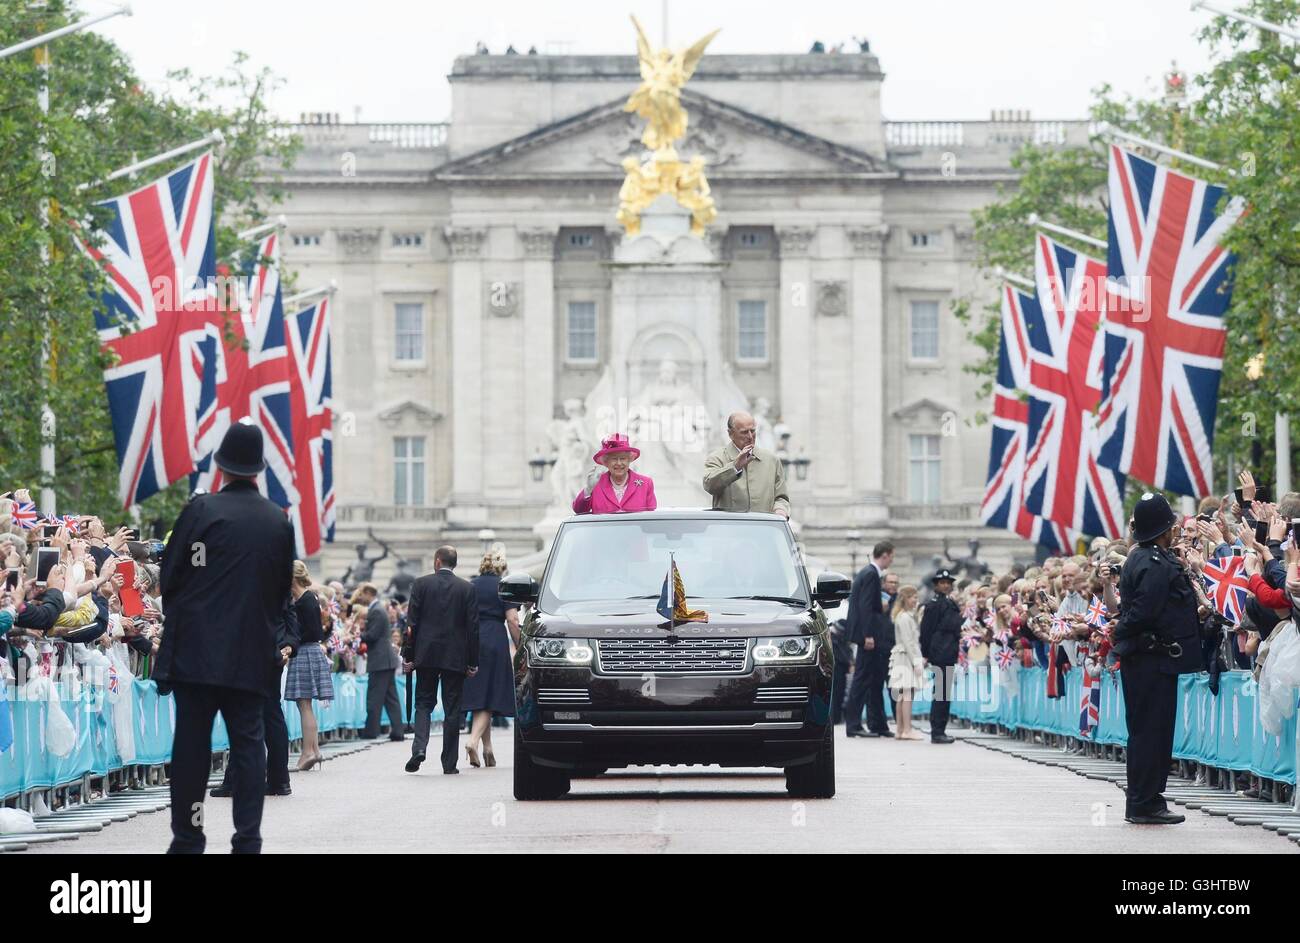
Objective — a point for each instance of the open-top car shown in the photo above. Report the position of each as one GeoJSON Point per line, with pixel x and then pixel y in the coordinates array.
{"type": "Point", "coordinates": [604, 679]}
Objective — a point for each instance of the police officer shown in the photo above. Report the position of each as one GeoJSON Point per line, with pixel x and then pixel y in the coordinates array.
{"type": "Point", "coordinates": [1157, 639]}
{"type": "Point", "coordinates": [225, 576]}
{"type": "Point", "coordinates": [940, 640]}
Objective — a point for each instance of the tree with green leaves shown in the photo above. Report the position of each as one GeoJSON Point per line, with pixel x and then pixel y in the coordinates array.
{"type": "Point", "coordinates": [101, 118]}
{"type": "Point", "coordinates": [1244, 113]}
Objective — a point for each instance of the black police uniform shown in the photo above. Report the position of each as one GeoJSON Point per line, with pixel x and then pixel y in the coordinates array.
{"type": "Point", "coordinates": [1157, 610]}
{"type": "Point", "coordinates": [940, 641]}
{"type": "Point", "coordinates": [225, 576]}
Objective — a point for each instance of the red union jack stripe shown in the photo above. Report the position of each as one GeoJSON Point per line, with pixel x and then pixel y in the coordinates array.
{"type": "Point", "coordinates": [311, 402]}
{"type": "Point", "coordinates": [1063, 481]}
{"type": "Point", "coordinates": [1227, 586]}
{"type": "Point", "coordinates": [1003, 505]}
{"type": "Point", "coordinates": [159, 253]}
{"type": "Point", "coordinates": [1096, 612]}
{"type": "Point", "coordinates": [251, 377]}
{"type": "Point", "coordinates": [1167, 293]}
{"type": "Point", "coordinates": [24, 515]}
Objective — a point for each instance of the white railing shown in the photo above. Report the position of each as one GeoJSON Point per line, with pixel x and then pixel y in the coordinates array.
{"type": "Point", "coordinates": [400, 136]}
{"type": "Point", "coordinates": [985, 133]}
{"type": "Point", "coordinates": [390, 513]}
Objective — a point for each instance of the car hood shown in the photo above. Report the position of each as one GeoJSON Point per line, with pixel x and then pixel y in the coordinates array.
{"type": "Point", "coordinates": [744, 618]}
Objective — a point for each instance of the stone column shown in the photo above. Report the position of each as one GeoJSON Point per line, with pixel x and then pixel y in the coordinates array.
{"type": "Point", "coordinates": [538, 407]}
{"type": "Point", "coordinates": [867, 299]}
{"type": "Point", "coordinates": [466, 311]}
{"type": "Point", "coordinates": [795, 333]}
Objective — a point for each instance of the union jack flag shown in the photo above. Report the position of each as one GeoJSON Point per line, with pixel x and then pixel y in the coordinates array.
{"type": "Point", "coordinates": [251, 377]}
{"type": "Point", "coordinates": [112, 680]}
{"type": "Point", "coordinates": [1096, 613]}
{"type": "Point", "coordinates": [1003, 505]}
{"type": "Point", "coordinates": [1227, 586]}
{"type": "Point", "coordinates": [24, 515]}
{"type": "Point", "coordinates": [1090, 708]}
{"type": "Point", "coordinates": [1005, 657]}
{"type": "Point", "coordinates": [310, 403]}
{"type": "Point", "coordinates": [1063, 482]}
{"type": "Point", "coordinates": [1167, 293]}
{"type": "Point", "coordinates": [159, 253]}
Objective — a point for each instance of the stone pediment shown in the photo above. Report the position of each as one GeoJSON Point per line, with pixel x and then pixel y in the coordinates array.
{"type": "Point", "coordinates": [392, 416]}
{"type": "Point", "coordinates": [736, 144]}
{"type": "Point", "coordinates": [924, 409]}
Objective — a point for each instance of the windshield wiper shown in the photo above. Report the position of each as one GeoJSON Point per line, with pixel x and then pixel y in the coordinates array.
{"type": "Point", "coordinates": [789, 600]}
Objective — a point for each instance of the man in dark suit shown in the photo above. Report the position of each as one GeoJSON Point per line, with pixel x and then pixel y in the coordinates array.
{"type": "Point", "coordinates": [381, 666]}
{"type": "Point", "coordinates": [273, 725]}
{"type": "Point", "coordinates": [225, 576]}
{"type": "Point", "coordinates": [442, 646]}
{"type": "Point", "coordinates": [872, 631]}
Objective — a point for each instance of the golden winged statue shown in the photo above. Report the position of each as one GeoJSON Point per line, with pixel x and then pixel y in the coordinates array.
{"type": "Point", "coordinates": [658, 99]}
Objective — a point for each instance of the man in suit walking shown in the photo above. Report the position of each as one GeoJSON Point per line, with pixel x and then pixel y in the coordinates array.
{"type": "Point", "coordinates": [381, 666]}
{"type": "Point", "coordinates": [442, 646]}
{"type": "Point", "coordinates": [225, 577]}
{"type": "Point", "coordinates": [872, 631]}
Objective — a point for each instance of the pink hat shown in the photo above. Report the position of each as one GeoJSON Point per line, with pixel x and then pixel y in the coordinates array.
{"type": "Point", "coordinates": [615, 443]}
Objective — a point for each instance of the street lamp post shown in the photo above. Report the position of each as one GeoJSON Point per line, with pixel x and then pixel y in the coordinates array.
{"type": "Point", "coordinates": [538, 465]}
{"type": "Point", "coordinates": [854, 537]}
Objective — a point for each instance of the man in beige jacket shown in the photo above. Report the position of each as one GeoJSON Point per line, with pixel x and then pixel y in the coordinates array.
{"type": "Point", "coordinates": [741, 477]}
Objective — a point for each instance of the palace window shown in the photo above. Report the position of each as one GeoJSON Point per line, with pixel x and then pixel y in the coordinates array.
{"type": "Point", "coordinates": [581, 240]}
{"type": "Point", "coordinates": [751, 330]}
{"type": "Point", "coordinates": [926, 239]}
{"type": "Point", "coordinates": [306, 239]}
{"type": "Point", "coordinates": [923, 469]}
{"type": "Point", "coordinates": [924, 330]}
{"type": "Point", "coordinates": [408, 240]}
{"type": "Point", "coordinates": [408, 470]}
{"type": "Point", "coordinates": [408, 339]}
{"type": "Point", "coordinates": [581, 331]}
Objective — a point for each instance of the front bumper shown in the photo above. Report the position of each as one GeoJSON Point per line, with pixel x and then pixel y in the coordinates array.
{"type": "Point", "coordinates": [771, 716]}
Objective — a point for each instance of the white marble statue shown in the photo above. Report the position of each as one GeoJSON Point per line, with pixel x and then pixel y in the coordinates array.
{"type": "Point", "coordinates": [573, 450]}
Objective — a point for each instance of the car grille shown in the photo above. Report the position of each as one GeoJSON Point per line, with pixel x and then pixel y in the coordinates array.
{"type": "Point", "coordinates": [774, 694]}
{"type": "Point", "coordinates": [563, 696]}
{"type": "Point", "coordinates": [712, 655]}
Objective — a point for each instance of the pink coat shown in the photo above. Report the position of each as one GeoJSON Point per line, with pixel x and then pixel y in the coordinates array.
{"type": "Point", "coordinates": [639, 496]}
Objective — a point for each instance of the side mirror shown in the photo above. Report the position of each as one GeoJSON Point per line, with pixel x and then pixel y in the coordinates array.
{"type": "Point", "coordinates": [831, 589]}
{"type": "Point", "coordinates": [519, 588]}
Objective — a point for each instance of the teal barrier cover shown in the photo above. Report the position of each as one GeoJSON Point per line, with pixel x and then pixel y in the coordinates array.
{"type": "Point", "coordinates": [28, 764]}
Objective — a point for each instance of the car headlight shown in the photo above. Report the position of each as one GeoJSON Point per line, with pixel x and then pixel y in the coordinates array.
{"type": "Point", "coordinates": [787, 650]}
{"type": "Point", "coordinates": [560, 651]}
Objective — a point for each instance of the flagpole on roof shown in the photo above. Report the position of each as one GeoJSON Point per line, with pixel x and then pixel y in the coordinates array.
{"type": "Point", "coordinates": [1040, 223]}
{"type": "Point", "coordinates": [329, 289]}
{"type": "Point", "coordinates": [213, 137]}
{"type": "Point", "coordinates": [1109, 130]}
{"type": "Point", "coordinates": [1243, 18]}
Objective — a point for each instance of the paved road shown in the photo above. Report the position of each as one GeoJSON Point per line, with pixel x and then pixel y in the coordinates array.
{"type": "Point", "coordinates": [892, 796]}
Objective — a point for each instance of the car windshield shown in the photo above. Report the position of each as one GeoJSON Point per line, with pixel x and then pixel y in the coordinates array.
{"type": "Point", "coordinates": [720, 557]}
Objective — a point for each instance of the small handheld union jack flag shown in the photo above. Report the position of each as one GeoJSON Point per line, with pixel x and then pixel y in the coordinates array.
{"type": "Point", "coordinates": [1096, 613]}
{"type": "Point", "coordinates": [1227, 586]}
{"type": "Point", "coordinates": [1005, 656]}
{"type": "Point", "coordinates": [25, 516]}
{"type": "Point", "coordinates": [112, 680]}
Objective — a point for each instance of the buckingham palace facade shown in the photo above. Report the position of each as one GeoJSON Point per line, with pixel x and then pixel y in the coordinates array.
{"type": "Point", "coordinates": [484, 290]}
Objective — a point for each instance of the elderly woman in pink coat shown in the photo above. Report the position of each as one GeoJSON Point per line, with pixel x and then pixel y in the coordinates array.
{"type": "Point", "coordinates": [618, 488]}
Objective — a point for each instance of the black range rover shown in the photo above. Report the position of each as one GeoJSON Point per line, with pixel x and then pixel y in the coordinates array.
{"type": "Point", "coordinates": [603, 680]}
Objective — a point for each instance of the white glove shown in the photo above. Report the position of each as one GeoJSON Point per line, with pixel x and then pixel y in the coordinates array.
{"type": "Point", "coordinates": [593, 477]}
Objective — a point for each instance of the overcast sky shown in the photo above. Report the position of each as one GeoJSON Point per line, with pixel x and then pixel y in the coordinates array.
{"type": "Point", "coordinates": [943, 59]}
